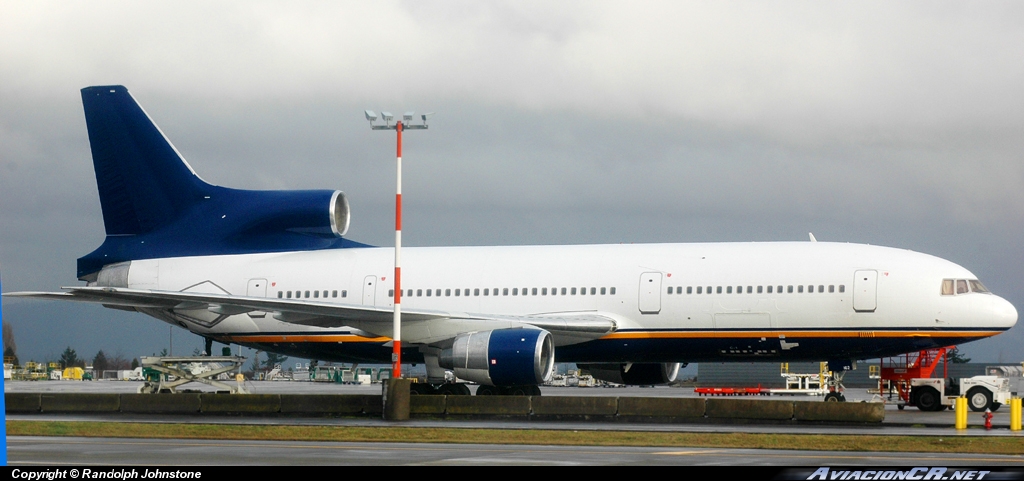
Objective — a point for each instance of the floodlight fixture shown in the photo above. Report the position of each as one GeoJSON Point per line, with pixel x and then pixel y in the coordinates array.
{"type": "Point", "coordinates": [424, 117]}
{"type": "Point", "coordinates": [387, 117]}
{"type": "Point", "coordinates": [371, 116]}
{"type": "Point", "coordinates": [407, 117]}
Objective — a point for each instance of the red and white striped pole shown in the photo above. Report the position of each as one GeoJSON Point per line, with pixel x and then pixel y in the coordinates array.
{"type": "Point", "coordinates": [396, 356]}
{"type": "Point", "coordinates": [399, 127]}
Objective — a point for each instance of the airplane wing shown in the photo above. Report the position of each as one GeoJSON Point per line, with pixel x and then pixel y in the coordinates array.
{"type": "Point", "coordinates": [418, 325]}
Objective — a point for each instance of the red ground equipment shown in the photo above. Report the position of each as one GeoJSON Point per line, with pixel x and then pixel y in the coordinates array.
{"type": "Point", "coordinates": [896, 372]}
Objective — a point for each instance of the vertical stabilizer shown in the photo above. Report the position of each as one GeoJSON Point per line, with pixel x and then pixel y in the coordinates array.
{"type": "Point", "coordinates": [143, 181]}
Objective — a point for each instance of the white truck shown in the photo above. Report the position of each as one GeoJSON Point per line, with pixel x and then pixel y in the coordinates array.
{"type": "Point", "coordinates": [982, 392]}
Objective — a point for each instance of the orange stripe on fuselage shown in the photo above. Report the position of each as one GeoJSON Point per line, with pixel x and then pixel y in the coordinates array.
{"type": "Point", "coordinates": [793, 334]}
{"type": "Point", "coordinates": [305, 338]}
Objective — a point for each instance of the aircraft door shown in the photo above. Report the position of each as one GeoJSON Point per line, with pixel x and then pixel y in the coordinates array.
{"type": "Point", "coordinates": [650, 293]}
{"type": "Point", "coordinates": [257, 288]}
{"type": "Point", "coordinates": [369, 290]}
{"type": "Point", "coordinates": [865, 285]}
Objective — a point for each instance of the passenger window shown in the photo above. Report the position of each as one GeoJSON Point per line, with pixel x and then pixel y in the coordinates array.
{"type": "Point", "coordinates": [670, 290]}
{"type": "Point", "coordinates": [842, 288]}
{"type": "Point", "coordinates": [515, 291]}
{"type": "Point", "coordinates": [457, 292]}
{"type": "Point", "coordinates": [533, 291]}
{"type": "Point", "coordinates": [689, 290]}
{"type": "Point", "coordinates": [505, 292]}
{"type": "Point", "coordinates": [316, 294]}
{"type": "Point", "coordinates": [750, 289]}
{"type": "Point", "coordinates": [334, 293]}
{"type": "Point", "coordinates": [603, 291]}
{"type": "Point", "coordinates": [593, 291]}
{"type": "Point", "coordinates": [709, 289]}
{"type": "Point", "coordinates": [769, 289]}
{"type": "Point", "coordinates": [583, 291]}
{"type": "Point", "coordinates": [961, 286]}
{"type": "Point", "coordinates": [573, 291]}
{"type": "Point", "coordinates": [789, 289]}
{"type": "Point", "coordinates": [391, 293]}
{"type": "Point", "coordinates": [719, 290]}
{"type": "Point", "coordinates": [831, 289]}
{"type": "Point", "coordinates": [544, 291]}
{"type": "Point", "coordinates": [280, 294]}
{"type": "Point", "coordinates": [612, 291]}
{"type": "Point", "coordinates": [821, 289]}
{"type": "Point", "coordinates": [447, 292]}
{"type": "Point", "coordinates": [728, 289]}
{"type": "Point", "coordinates": [799, 289]}
{"type": "Point", "coordinates": [429, 291]}
{"type": "Point", "coordinates": [760, 289]}
{"type": "Point", "coordinates": [307, 294]}
{"type": "Point", "coordinates": [563, 291]}
{"type": "Point", "coordinates": [476, 292]}
{"type": "Point", "coordinates": [487, 291]}
{"type": "Point", "coordinates": [739, 289]}
{"type": "Point", "coordinates": [699, 290]}
{"type": "Point", "coordinates": [778, 289]}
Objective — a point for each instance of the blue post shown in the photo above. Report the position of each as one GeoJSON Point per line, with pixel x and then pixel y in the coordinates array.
{"type": "Point", "coordinates": [3, 409]}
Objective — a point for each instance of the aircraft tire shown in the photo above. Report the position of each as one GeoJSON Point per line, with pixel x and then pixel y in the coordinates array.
{"type": "Point", "coordinates": [928, 399]}
{"type": "Point", "coordinates": [485, 390]}
{"type": "Point", "coordinates": [519, 390]}
{"type": "Point", "coordinates": [834, 397]}
{"type": "Point", "coordinates": [979, 399]}
{"type": "Point", "coordinates": [456, 389]}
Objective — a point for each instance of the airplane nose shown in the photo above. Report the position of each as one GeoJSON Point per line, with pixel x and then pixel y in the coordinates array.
{"type": "Point", "coordinates": [1003, 313]}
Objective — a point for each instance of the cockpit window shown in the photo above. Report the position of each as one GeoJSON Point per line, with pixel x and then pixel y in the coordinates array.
{"type": "Point", "coordinates": [977, 286]}
{"type": "Point", "coordinates": [962, 286]}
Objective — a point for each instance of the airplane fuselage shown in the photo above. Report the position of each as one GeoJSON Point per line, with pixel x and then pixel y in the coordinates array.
{"type": "Point", "coordinates": [670, 302]}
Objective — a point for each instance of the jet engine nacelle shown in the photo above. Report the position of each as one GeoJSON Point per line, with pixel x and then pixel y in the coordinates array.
{"type": "Point", "coordinates": [502, 357]}
{"type": "Point", "coordinates": [637, 374]}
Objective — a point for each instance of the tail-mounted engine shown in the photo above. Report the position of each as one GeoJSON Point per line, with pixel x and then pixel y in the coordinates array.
{"type": "Point", "coordinates": [635, 374]}
{"type": "Point", "coordinates": [503, 357]}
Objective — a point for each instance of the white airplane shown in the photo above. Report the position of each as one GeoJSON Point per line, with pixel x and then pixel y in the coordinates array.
{"type": "Point", "coordinates": [271, 270]}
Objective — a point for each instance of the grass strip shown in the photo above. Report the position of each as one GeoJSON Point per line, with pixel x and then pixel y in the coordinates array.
{"type": "Point", "coordinates": [824, 442]}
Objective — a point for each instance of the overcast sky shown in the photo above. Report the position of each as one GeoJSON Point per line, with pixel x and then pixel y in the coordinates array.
{"type": "Point", "coordinates": [898, 124]}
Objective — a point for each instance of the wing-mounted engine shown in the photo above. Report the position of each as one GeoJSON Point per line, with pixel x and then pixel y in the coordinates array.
{"type": "Point", "coordinates": [502, 357]}
{"type": "Point", "coordinates": [635, 374]}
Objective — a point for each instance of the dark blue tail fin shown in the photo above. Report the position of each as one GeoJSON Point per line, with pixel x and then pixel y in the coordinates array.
{"type": "Point", "coordinates": [143, 181]}
{"type": "Point", "coordinates": [154, 204]}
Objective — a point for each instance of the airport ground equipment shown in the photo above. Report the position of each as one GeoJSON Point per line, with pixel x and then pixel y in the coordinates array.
{"type": "Point", "coordinates": [982, 392]}
{"type": "Point", "coordinates": [809, 384]}
{"type": "Point", "coordinates": [172, 372]}
{"type": "Point", "coordinates": [896, 373]}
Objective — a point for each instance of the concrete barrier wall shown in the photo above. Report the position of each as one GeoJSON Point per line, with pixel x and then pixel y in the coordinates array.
{"type": "Point", "coordinates": [184, 403]}
{"type": "Point", "coordinates": [839, 412]}
{"type": "Point", "coordinates": [22, 402]}
{"type": "Point", "coordinates": [521, 407]}
{"type": "Point", "coordinates": [330, 404]}
{"type": "Point", "coordinates": [518, 406]}
{"type": "Point", "coordinates": [571, 407]}
{"type": "Point", "coordinates": [427, 405]}
{"type": "Point", "coordinates": [240, 403]}
{"type": "Point", "coordinates": [749, 409]}
{"type": "Point", "coordinates": [666, 407]}
{"type": "Point", "coordinates": [80, 403]}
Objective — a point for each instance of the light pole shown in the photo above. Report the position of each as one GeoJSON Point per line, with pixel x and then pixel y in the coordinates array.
{"type": "Point", "coordinates": [404, 124]}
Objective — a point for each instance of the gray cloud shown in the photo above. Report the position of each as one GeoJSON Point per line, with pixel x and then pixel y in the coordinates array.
{"type": "Point", "coordinates": [579, 122]}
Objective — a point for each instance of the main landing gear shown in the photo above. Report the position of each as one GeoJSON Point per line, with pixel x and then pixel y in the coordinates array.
{"type": "Point", "coordinates": [461, 389]}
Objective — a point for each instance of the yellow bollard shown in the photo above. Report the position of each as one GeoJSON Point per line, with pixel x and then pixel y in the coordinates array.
{"type": "Point", "coordinates": [961, 412]}
{"type": "Point", "coordinates": [1015, 405]}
